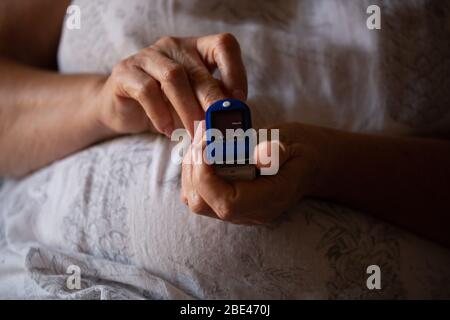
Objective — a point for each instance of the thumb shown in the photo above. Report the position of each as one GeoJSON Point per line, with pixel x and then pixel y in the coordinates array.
{"type": "Point", "coordinates": [271, 155]}
{"type": "Point", "coordinates": [207, 88]}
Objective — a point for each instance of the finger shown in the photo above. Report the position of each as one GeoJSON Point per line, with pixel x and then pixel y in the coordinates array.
{"type": "Point", "coordinates": [217, 193]}
{"type": "Point", "coordinates": [240, 200]}
{"type": "Point", "coordinates": [189, 194]}
{"type": "Point", "coordinates": [224, 51]}
{"type": "Point", "coordinates": [272, 153]}
{"type": "Point", "coordinates": [257, 201]}
{"type": "Point", "coordinates": [207, 88]}
{"type": "Point", "coordinates": [186, 176]}
{"type": "Point", "coordinates": [175, 84]}
{"type": "Point", "coordinates": [265, 198]}
{"type": "Point", "coordinates": [138, 85]}
{"type": "Point", "coordinates": [200, 207]}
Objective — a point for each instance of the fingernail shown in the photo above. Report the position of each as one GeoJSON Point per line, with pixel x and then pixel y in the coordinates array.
{"type": "Point", "coordinates": [238, 94]}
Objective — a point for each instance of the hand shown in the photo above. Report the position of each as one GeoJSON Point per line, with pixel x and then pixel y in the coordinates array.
{"type": "Point", "coordinates": [265, 198]}
{"type": "Point", "coordinates": [170, 84]}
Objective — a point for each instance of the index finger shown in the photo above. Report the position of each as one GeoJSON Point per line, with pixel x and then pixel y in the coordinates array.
{"type": "Point", "coordinates": [223, 51]}
{"type": "Point", "coordinates": [174, 83]}
{"type": "Point", "coordinates": [207, 88]}
{"type": "Point", "coordinates": [230, 200]}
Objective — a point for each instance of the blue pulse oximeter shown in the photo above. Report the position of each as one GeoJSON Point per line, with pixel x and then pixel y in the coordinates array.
{"type": "Point", "coordinates": [230, 155]}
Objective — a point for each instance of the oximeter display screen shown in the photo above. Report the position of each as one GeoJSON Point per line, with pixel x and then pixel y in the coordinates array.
{"type": "Point", "coordinates": [229, 119]}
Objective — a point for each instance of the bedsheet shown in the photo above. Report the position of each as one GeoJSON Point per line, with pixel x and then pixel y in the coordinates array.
{"type": "Point", "coordinates": [113, 210]}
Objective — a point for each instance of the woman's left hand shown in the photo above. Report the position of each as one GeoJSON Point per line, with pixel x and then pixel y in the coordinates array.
{"type": "Point", "coordinates": [263, 199]}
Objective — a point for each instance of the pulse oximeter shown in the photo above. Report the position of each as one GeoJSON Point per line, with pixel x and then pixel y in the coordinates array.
{"type": "Point", "coordinates": [228, 139]}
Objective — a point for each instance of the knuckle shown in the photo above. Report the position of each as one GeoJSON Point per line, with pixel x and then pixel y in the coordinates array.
{"type": "Point", "coordinates": [167, 41]}
{"type": "Point", "coordinates": [141, 91]}
{"type": "Point", "coordinates": [227, 40]}
{"type": "Point", "coordinates": [126, 65]}
{"type": "Point", "coordinates": [172, 73]}
{"type": "Point", "coordinates": [121, 67]}
{"type": "Point", "coordinates": [197, 206]}
{"type": "Point", "coordinates": [211, 93]}
{"type": "Point", "coordinates": [132, 61]}
{"type": "Point", "coordinates": [149, 50]}
{"type": "Point", "coordinates": [226, 212]}
{"type": "Point", "coordinates": [198, 75]}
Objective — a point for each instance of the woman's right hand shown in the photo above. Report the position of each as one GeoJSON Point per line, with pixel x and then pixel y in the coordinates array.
{"type": "Point", "coordinates": [170, 84]}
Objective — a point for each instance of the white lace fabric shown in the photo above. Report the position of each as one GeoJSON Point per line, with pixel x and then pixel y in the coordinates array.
{"type": "Point", "coordinates": [114, 208]}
